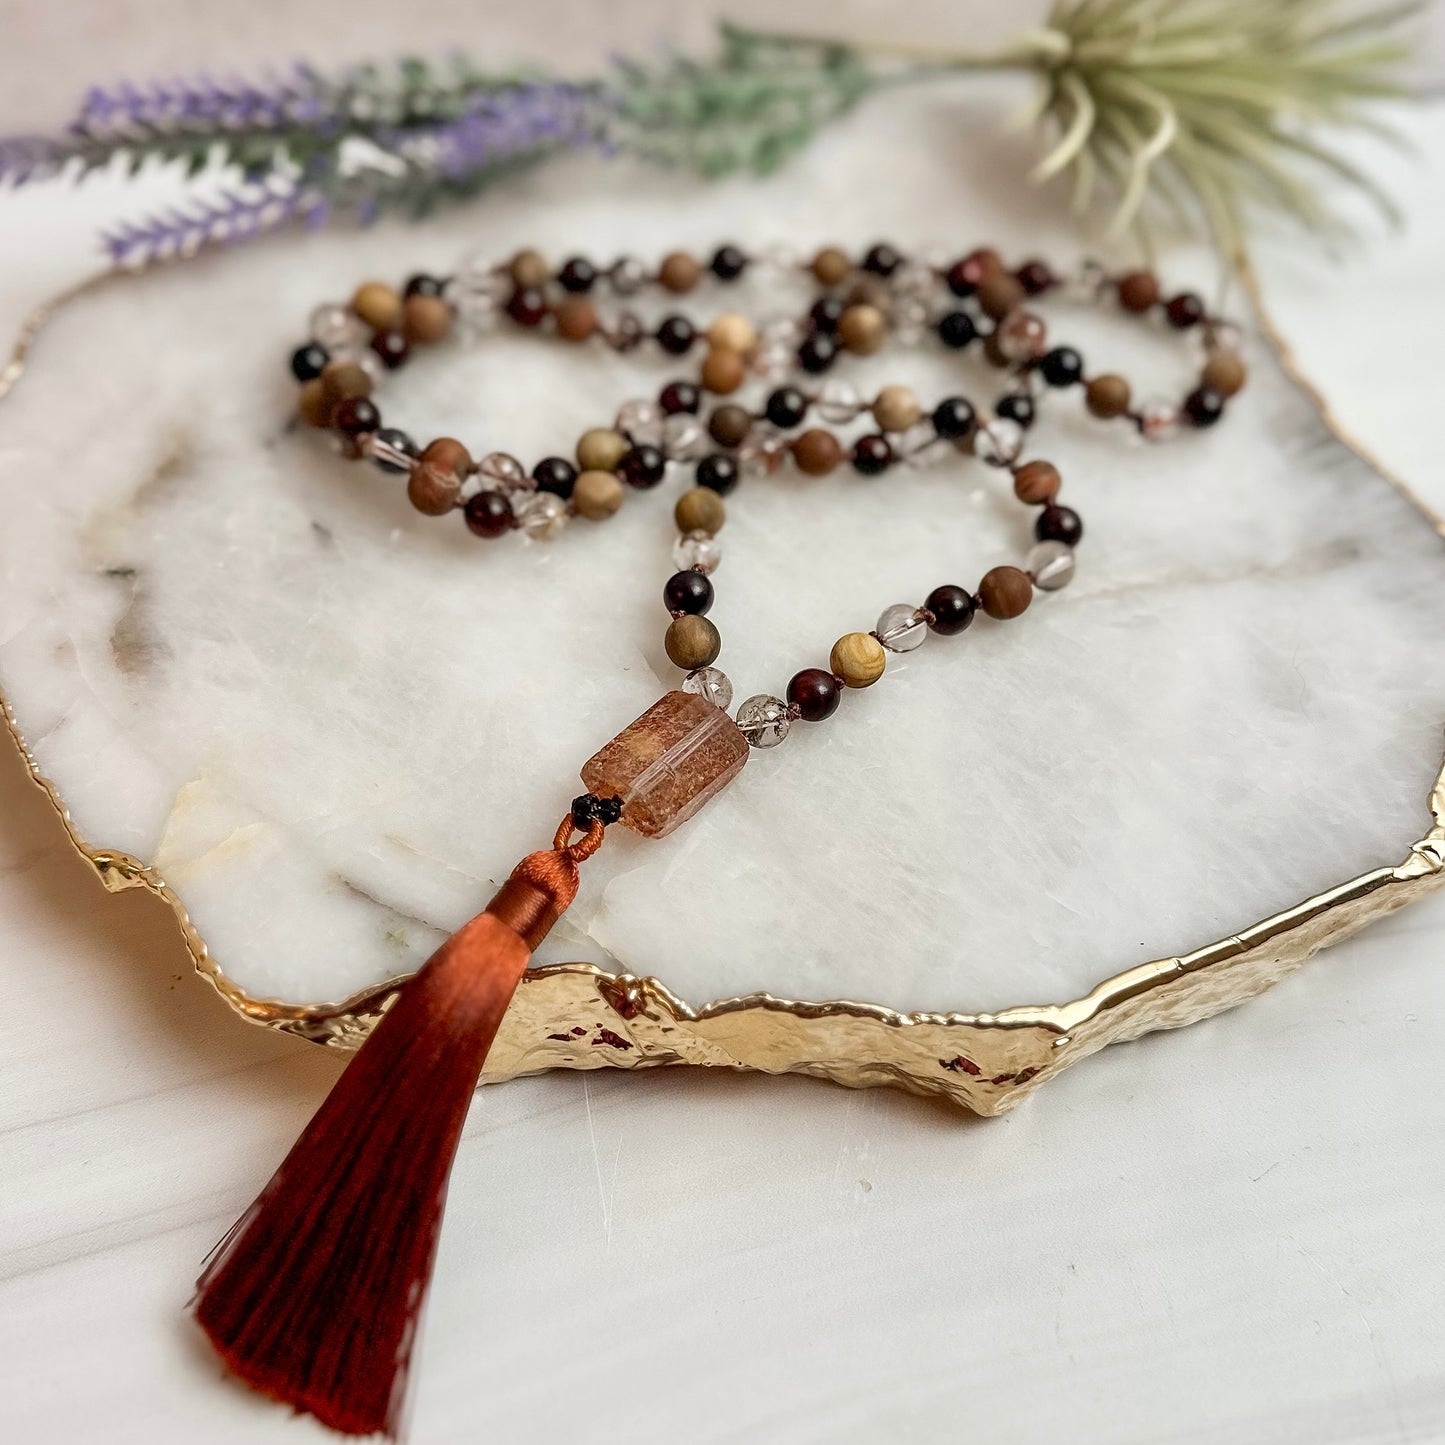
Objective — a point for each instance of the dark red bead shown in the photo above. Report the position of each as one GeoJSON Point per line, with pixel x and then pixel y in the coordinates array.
{"type": "Point", "coordinates": [355, 416]}
{"type": "Point", "coordinates": [826, 313]}
{"type": "Point", "coordinates": [818, 352]}
{"type": "Point", "coordinates": [815, 693]}
{"type": "Point", "coordinates": [642, 467]}
{"type": "Point", "coordinates": [871, 454]}
{"type": "Point", "coordinates": [675, 335]}
{"type": "Point", "coordinates": [578, 275]}
{"type": "Point", "coordinates": [489, 514]}
{"type": "Point", "coordinates": [527, 306]}
{"type": "Point", "coordinates": [1059, 524]}
{"type": "Point", "coordinates": [556, 475]}
{"type": "Point", "coordinates": [951, 609]}
{"type": "Point", "coordinates": [882, 260]}
{"type": "Point", "coordinates": [679, 396]}
{"type": "Point", "coordinates": [392, 347]}
{"type": "Point", "coordinates": [1035, 277]}
{"type": "Point", "coordinates": [1204, 406]}
{"type": "Point", "coordinates": [1184, 310]}
{"type": "Point", "coordinates": [688, 591]}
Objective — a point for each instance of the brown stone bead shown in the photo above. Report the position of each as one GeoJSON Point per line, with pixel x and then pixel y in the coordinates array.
{"type": "Point", "coordinates": [700, 510]}
{"type": "Point", "coordinates": [993, 349]}
{"type": "Point", "coordinates": [449, 455]}
{"type": "Point", "coordinates": [862, 329]}
{"type": "Point", "coordinates": [723, 370]}
{"type": "Point", "coordinates": [1225, 372]}
{"type": "Point", "coordinates": [729, 426]}
{"type": "Point", "coordinates": [1005, 592]}
{"type": "Point", "coordinates": [1107, 396]}
{"type": "Point", "coordinates": [378, 304]}
{"type": "Point", "coordinates": [1138, 291]}
{"type": "Point", "coordinates": [433, 489]}
{"type": "Point", "coordinates": [315, 403]}
{"type": "Point", "coordinates": [858, 658]}
{"type": "Point", "coordinates": [425, 318]}
{"type": "Point", "coordinates": [896, 408]}
{"type": "Point", "coordinates": [999, 293]}
{"type": "Point", "coordinates": [692, 641]}
{"type": "Point", "coordinates": [576, 318]}
{"type": "Point", "coordinates": [596, 494]}
{"type": "Point", "coordinates": [679, 272]}
{"type": "Point", "coordinates": [731, 332]}
{"type": "Point", "coordinates": [345, 380]}
{"type": "Point", "coordinates": [832, 266]}
{"type": "Point", "coordinates": [817, 452]}
{"type": "Point", "coordinates": [600, 449]}
{"type": "Point", "coordinates": [529, 269]}
{"type": "Point", "coordinates": [1037, 482]}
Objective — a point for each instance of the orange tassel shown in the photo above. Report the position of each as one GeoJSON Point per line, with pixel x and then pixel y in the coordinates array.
{"type": "Point", "coordinates": [314, 1295]}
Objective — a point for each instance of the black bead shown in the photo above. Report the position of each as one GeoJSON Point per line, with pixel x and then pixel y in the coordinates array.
{"type": "Point", "coordinates": [675, 335]}
{"type": "Point", "coordinates": [679, 396]}
{"type": "Point", "coordinates": [1204, 406]}
{"type": "Point", "coordinates": [815, 693]}
{"type": "Point", "coordinates": [882, 260]}
{"type": "Point", "coordinates": [954, 417]}
{"type": "Point", "coordinates": [422, 285]}
{"type": "Point", "coordinates": [718, 473]}
{"type": "Point", "coordinates": [688, 591]}
{"type": "Point", "coordinates": [871, 454]}
{"type": "Point", "coordinates": [578, 275]}
{"type": "Point", "coordinates": [489, 514]}
{"type": "Point", "coordinates": [728, 263]}
{"type": "Point", "coordinates": [356, 416]}
{"type": "Point", "coordinates": [817, 353]}
{"type": "Point", "coordinates": [1017, 406]}
{"type": "Point", "coordinates": [1063, 366]}
{"type": "Point", "coordinates": [556, 475]}
{"type": "Point", "coordinates": [826, 312]}
{"type": "Point", "coordinates": [642, 467]}
{"type": "Point", "coordinates": [1059, 524]}
{"type": "Point", "coordinates": [1035, 277]}
{"type": "Point", "coordinates": [956, 330]}
{"type": "Point", "coordinates": [307, 361]}
{"type": "Point", "coordinates": [1184, 310]}
{"type": "Point", "coordinates": [392, 347]}
{"type": "Point", "coordinates": [398, 441]}
{"type": "Point", "coordinates": [952, 609]}
{"type": "Point", "coordinates": [786, 407]}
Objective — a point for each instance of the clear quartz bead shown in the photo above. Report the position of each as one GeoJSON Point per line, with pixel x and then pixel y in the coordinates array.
{"type": "Point", "coordinates": [998, 442]}
{"type": "Point", "coordinates": [764, 720]}
{"type": "Point", "coordinates": [477, 292]}
{"type": "Point", "coordinates": [1224, 336]}
{"type": "Point", "coordinates": [914, 279]}
{"type": "Point", "coordinates": [921, 447]}
{"type": "Point", "coordinates": [698, 551]}
{"type": "Point", "coordinates": [908, 320]}
{"type": "Point", "coordinates": [541, 515]}
{"type": "Point", "coordinates": [684, 437]}
{"type": "Point", "coordinates": [625, 333]}
{"type": "Point", "coordinates": [1051, 565]}
{"type": "Point", "coordinates": [901, 627]}
{"type": "Point", "coordinates": [627, 275]}
{"type": "Point", "coordinates": [1086, 284]}
{"type": "Point", "coordinates": [640, 421]}
{"type": "Point", "coordinates": [336, 328]}
{"type": "Point", "coordinates": [1159, 419]}
{"type": "Point", "coordinates": [502, 472]}
{"type": "Point", "coordinates": [772, 360]}
{"type": "Point", "coordinates": [709, 682]}
{"type": "Point", "coordinates": [762, 453]}
{"type": "Point", "coordinates": [780, 257]}
{"type": "Point", "coordinates": [838, 401]}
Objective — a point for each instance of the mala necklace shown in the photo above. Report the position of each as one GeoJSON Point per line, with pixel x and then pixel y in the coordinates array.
{"type": "Point", "coordinates": [314, 1295]}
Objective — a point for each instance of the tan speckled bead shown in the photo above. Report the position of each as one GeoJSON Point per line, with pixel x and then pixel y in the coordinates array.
{"type": "Point", "coordinates": [345, 380]}
{"type": "Point", "coordinates": [1107, 396]}
{"type": "Point", "coordinates": [576, 318]}
{"type": "Point", "coordinates": [692, 642]}
{"type": "Point", "coordinates": [679, 272]}
{"type": "Point", "coordinates": [432, 490]}
{"type": "Point", "coordinates": [1225, 372]}
{"type": "Point", "coordinates": [529, 268]}
{"type": "Point", "coordinates": [896, 408]}
{"type": "Point", "coordinates": [1005, 592]}
{"type": "Point", "coordinates": [862, 329]}
{"type": "Point", "coordinates": [315, 403]}
{"type": "Point", "coordinates": [723, 370]}
{"type": "Point", "coordinates": [817, 452]}
{"type": "Point", "coordinates": [998, 294]}
{"type": "Point", "coordinates": [700, 510]}
{"type": "Point", "coordinates": [729, 425]}
{"type": "Point", "coordinates": [1037, 482]}
{"type": "Point", "coordinates": [732, 332]}
{"type": "Point", "coordinates": [425, 318]}
{"type": "Point", "coordinates": [596, 494]}
{"type": "Point", "coordinates": [448, 455]}
{"type": "Point", "coordinates": [858, 658]}
{"type": "Point", "coordinates": [601, 448]}
{"type": "Point", "coordinates": [1138, 291]}
{"type": "Point", "coordinates": [378, 304]}
{"type": "Point", "coordinates": [832, 266]}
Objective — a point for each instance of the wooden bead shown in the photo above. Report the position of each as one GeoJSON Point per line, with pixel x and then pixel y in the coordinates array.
{"type": "Point", "coordinates": [896, 408]}
{"type": "Point", "coordinates": [1037, 483]}
{"type": "Point", "coordinates": [425, 318]}
{"type": "Point", "coordinates": [1225, 372]}
{"type": "Point", "coordinates": [529, 269]}
{"type": "Point", "coordinates": [449, 455]}
{"type": "Point", "coordinates": [998, 294]}
{"type": "Point", "coordinates": [600, 449]}
{"type": "Point", "coordinates": [1005, 592]}
{"type": "Point", "coordinates": [576, 318]}
{"type": "Point", "coordinates": [862, 329]}
{"type": "Point", "coordinates": [729, 426]}
{"type": "Point", "coordinates": [596, 494]}
{"type": "Point", "coordinates": [433, 490]}
{"type": "Point", "coordinates": [378, 304]}
{"type": "Point", "coordinates": [315, 403]}
{"type": "Point", "coordinates": [700, 510]}
{"type": "Point", "coordinates": [1107, 396]}
{"type": "Point", "coordinates": [723, 370]}
{"type": "Point", "coordinates": [345, 380]}
{"type": "Point", "coordinates": [817, 452]}
{"type": "Point", "coordinates": [832, 266]}
{"type": "Point", "coordinates": [858, 658]}
{"type": "Point", "coordinates": [731, 332]}
{"type": "Point", "coordinates": [1138, 291]}
{"type": "Point", "coordinates": [692, 641]}
{"type": "Point", "coordinates": [679, 272]}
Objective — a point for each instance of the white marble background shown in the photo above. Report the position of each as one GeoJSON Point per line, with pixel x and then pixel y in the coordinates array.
{"type": "Point", "coordinates": [772, 1258]}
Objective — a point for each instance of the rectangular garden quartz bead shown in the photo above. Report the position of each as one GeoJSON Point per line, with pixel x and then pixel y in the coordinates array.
{"type": "Point", "coordinates": [668, 763]}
